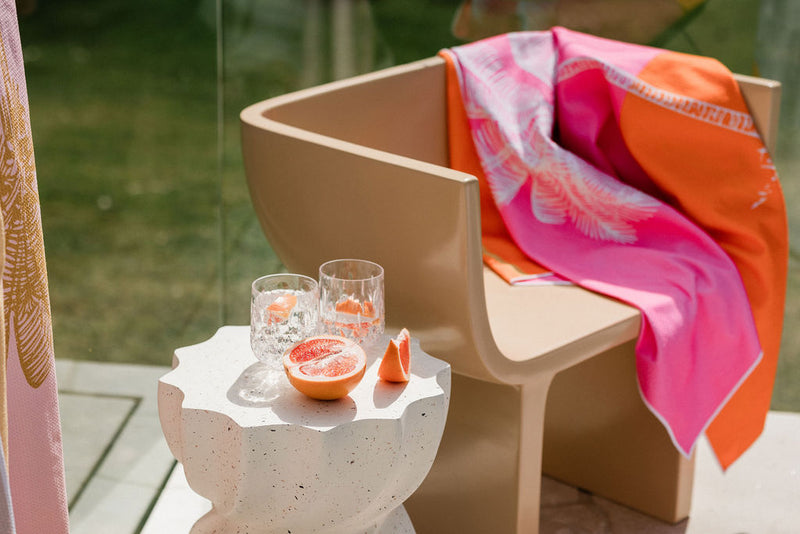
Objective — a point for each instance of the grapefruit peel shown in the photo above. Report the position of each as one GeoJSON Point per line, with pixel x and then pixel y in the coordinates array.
{"type": "Point", "coordinates": [325, 367]}
{"type": "Point", "coordinates": [396, 362]}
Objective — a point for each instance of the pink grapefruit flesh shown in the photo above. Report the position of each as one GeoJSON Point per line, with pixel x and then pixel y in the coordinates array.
{"type": "Point", "coordinates": [325, 367]}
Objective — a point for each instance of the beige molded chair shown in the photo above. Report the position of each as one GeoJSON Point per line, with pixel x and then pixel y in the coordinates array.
{"type": "Point", "coordinates": [543, 376]}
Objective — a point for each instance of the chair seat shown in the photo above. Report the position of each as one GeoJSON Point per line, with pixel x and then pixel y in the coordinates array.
{"type": "Point", "coordinates": [566, 324]}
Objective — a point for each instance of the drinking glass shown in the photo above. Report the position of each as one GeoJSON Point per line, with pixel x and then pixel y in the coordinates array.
{"type": "Point", "coordinates": [351, 299]}
{"type": "Point", "coordinates": [284, 309]}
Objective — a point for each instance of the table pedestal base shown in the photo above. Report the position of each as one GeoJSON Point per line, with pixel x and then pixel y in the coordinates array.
{"type": "Point", "coordinates": [396, 522]}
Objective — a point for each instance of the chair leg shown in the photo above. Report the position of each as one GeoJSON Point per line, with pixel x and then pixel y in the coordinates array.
{"type": "Point", "coordinates": [481, 481]}
{"type": "Point", "coordinates": [601, 437]}
{"type": "Point", "coordinates": [534, 402]}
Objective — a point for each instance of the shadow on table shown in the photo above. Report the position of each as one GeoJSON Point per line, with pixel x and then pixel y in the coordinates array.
{"type": "Point", "coordinates": [251, 388]}
{"type": "Point", "coordinates": [385, 393]}
{"type": "Point", "coordinates": [288, 404]}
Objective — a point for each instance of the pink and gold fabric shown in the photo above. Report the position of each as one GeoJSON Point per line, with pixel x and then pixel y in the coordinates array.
{"type": "Point", "coordinates": [637, 173]}
{"type": "Point", "coordinates": [30, 425]}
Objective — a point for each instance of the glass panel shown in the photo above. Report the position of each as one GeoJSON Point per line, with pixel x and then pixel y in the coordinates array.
{"type": "Point", "coordinates": [277, 46]}
{"type": "Point", "coordinates": [123, 110]}
{"type": "Point", "coordinates": [777, 57]}
{"type": "Point", "coordinates": [150, 236]}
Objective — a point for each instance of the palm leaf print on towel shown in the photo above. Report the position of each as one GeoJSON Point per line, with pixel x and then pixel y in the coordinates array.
{"type": "Point", "coordinates": [512, 127]}
{"type": "Point", "coordinates": [567, 188]}
{"type": "Point", "coordinates": [564, 187]}
{"type": "Point", "coordinates": [27, 305]}
{"type": "Point", "coordinates": [501, 162]}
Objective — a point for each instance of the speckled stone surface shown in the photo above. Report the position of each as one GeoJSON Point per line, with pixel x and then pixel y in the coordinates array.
{"type": "Point", "coordinates": [294, 464]}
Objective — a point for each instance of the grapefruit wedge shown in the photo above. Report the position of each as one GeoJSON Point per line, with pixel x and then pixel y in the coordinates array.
{"type": "Point", "coordinates": [396, 361]}
{"type": "Point", "coordinates": [325, 367]}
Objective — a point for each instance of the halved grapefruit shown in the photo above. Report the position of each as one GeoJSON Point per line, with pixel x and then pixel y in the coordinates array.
{"type": "Point", "coordinates": [325, 367]}
{"type": "Point", "coordinates": [396, 361]}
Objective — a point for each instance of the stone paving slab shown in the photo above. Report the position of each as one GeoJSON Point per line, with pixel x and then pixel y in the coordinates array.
{"type": "Point", "coordinates": [91, 425]}
{"type": "Point", "coordinates": [109, 419]}
{"type": "Point", "coordinates": [758, 495]}
{"type": "Point", "coordinates": [178, 507]}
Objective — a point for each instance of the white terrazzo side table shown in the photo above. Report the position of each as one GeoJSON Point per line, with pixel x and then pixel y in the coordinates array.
{"type": "Point", "coordinates": [294, 464]}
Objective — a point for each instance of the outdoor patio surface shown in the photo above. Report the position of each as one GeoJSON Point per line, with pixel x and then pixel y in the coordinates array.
{"type": "Point", "coordinates": [121, 477]}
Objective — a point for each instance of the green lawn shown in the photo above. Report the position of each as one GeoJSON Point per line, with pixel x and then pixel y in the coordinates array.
{"type": "Point", "coordinates": [123, 107]}
{"type": "Point", "coordinates": [151, 241]}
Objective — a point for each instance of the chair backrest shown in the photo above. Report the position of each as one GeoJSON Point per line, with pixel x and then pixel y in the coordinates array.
{"type": "Point", "coordinates": [359, 168]}
{"type": "Point", "coordinates": [763, 98]}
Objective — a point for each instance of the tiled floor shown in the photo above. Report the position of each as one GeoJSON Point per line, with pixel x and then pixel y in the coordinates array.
{"type": "Point", "coordinates": [120, 476]}
{"type": "Point", "coordinates": [115, 456]}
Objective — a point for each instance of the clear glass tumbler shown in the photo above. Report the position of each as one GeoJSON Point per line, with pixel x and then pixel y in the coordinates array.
{"type": "Point", "coordinates": [284, 309]}
{"type": "Point", "coordinates": [351, 299]}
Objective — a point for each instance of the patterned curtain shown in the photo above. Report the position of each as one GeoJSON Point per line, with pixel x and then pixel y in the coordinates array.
{"type": "Point", "coordinates": [32, 490]}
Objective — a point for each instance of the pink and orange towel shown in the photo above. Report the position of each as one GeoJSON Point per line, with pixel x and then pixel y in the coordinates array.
{"type": "Point", "coordinates": [32, 491]}
{"type": "Point", "coordinates": [637, 173]}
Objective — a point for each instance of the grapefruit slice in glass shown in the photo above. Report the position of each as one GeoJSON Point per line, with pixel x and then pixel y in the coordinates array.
{"type": "Point", "coordinates": [325, 367]}
{"type": "Point", "coordinates": [280, 308]}
{"type": "Point", "coordinates": [396, 361]}
{"type": "Point", "coordinates": [353, 306]}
